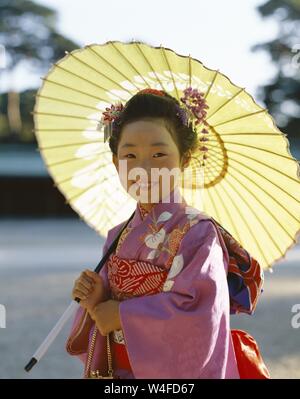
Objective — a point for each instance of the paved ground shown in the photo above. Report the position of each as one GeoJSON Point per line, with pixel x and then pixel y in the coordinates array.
{"type": "Point", "coordinates": [39, 260]}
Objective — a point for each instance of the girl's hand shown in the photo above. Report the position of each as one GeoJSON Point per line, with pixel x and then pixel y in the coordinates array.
{"type": "Point", "coordinates": [106, 316]}
{"type": "Point", "coordinates": [89, 288]}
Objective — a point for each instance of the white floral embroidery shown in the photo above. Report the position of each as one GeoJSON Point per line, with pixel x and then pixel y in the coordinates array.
{"type": "Point", "coordinates": [152, 254]}
{"type": "Point", "coordinates": [175, 269]}
{"type": "Point", "coordinates": [163, 217]}
{"type": "Point", "coordinates": [192, 215]}
{"type": "Point", "coordinates": [168, 285]}
{"type": "Point", "coordinates": [153, 240]}
{"type": "Point", "coordinates": [176, 266]}
{"type": "Point", "coordinates": [191, 212]}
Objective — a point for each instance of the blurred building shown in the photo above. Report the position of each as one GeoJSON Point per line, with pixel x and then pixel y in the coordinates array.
{"type": "Point", "coordinates": [26, 187]}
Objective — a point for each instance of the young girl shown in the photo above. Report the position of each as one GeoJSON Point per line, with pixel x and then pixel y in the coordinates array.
{"type": "Point", "coordinates": [162, 298]}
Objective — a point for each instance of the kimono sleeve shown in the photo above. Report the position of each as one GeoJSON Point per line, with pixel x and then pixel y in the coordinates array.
{"type": "Point", "coordinates": [78, 339]}
{"type": "Point", "coordinates": [184, 332]}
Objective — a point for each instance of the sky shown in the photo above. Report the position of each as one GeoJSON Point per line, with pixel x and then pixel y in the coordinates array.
{"type": "Point", "coordinates": [218, 33]}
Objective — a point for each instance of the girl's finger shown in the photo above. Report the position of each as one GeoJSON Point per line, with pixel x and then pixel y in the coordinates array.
{"type": "Point", "coordinates": [89, 285]}
{"type": "Point", "coordinates": [79, 294]}
{"type": "Point", "coordinates": [83, 289]}
{"type": "Point", "coordinates": [93, 275]}
{"type": "Point", "coordinates": [86, 277]}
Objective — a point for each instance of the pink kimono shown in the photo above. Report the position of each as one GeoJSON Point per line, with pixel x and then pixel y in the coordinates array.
{"type": "Point", "coordinates": [180, 329]}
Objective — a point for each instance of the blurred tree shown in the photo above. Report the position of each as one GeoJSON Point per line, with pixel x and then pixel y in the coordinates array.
{"type": "Point", "coordinates": [282, 94]}
{"type": "Point", "coordinates": [26, 102]}
{"type": "Point", "coordinates": [28, 34]}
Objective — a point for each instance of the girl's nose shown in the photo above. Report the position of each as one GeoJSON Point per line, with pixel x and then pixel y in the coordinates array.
{"type": "Point", "coordinates": [145, 177]}
{"type": "Point", "coordinates": [146, 166]}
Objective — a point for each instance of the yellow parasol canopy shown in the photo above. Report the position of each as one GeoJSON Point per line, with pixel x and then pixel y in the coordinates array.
{"type": "Point", "coordinates": [250, 180]}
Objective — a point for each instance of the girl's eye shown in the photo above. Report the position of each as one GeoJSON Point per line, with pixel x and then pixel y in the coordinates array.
{"type": "Point", "coordinates": [159, 153]}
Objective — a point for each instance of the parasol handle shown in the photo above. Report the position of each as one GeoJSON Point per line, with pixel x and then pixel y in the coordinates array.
{"type": "Point", "coordinates": [52, 335]}
{"type": "Point", "coordinates": [74, 305]}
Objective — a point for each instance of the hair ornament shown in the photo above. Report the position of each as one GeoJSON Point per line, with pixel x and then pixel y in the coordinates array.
{"type": "Point", "coordinates": [109, 116]}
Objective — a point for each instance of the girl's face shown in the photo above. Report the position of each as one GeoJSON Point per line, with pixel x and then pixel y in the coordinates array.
{"type": "Point", "coordinates": [147, 144]}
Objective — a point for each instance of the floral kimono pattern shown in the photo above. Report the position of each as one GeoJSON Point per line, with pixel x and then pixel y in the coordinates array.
{"type": "Point", "coordinates": [175, 323]}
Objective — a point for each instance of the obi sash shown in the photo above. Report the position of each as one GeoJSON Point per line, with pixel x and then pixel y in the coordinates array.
{"type": "Point", "coordinates": [130, 278]}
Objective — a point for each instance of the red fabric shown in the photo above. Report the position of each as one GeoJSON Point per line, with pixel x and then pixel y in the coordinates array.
{"type": "Point", "coordinates": [249, 360]}
{"type": "Point", "coordinates": [152, 91]}
{"type": "Point", "coordinates": [130, 278]}
{"type": "Point", "coordinates": [119, 356]}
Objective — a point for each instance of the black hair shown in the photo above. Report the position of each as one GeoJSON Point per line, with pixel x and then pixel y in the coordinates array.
{"type": "Point", "coordinates": [147, 105]}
